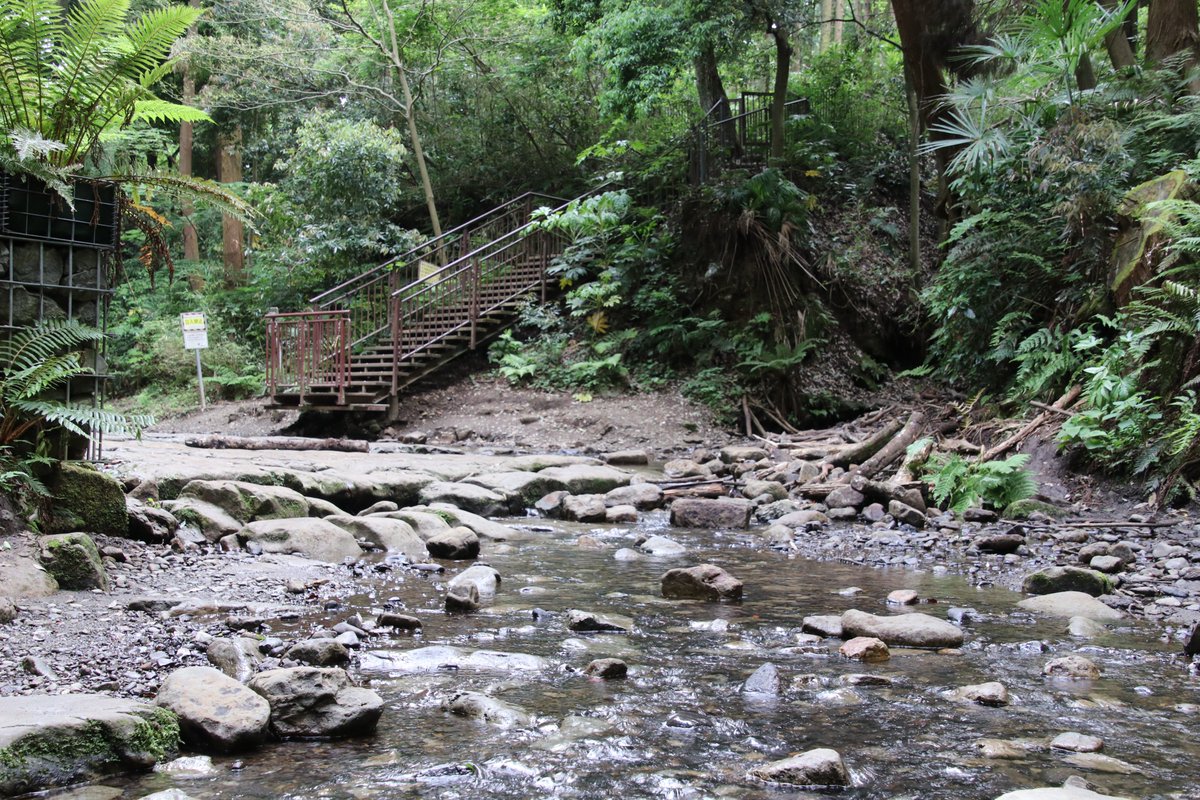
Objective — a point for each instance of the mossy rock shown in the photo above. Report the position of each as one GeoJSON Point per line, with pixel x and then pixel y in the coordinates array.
{"type": "Point", "coordinates": [85, 499]}
{"type": "Point", "coordinates": [73, 560]}
{"type": "Point", "coordinates": [1067, 579]}
{"type": "Point", "coordinates": [1024, 509]}
{"type": "Point", "coordinates": [56, 740]}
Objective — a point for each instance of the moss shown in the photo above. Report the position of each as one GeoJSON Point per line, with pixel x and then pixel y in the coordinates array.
{"type": "Point", "coordinates": [74, 561]}
{"type": "Point", "coordinates": [1024, 509]}
{"type": "Point", "coordinates": [156, 735]}
{"type": "Point", "coordinates": [85, 499]}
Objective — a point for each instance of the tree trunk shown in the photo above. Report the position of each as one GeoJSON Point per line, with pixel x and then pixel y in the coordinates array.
{"type": "Point", "coordinates": [1120, 50]}
{"type": "Point", "coordinates": [229, 170]}
{"type": "Point", "coordinates": [783, 65]}
{"type": "Point", "coordinates": [410, 118]}
{"type": "Point", "coordinates": [826, 25]}
{"type": "Point", "coordinates": [191, 241]}
{"type": "Point", "coordinates": [710, 90]}
{"type": "Point", "coordinates": [1085, 76]}
{"type": "Point", "coordinates": [839, 24]}
{"type": "Point", "coordinates": [914, 180]}
{"type": "Point", "coordinates": [1173, 27]}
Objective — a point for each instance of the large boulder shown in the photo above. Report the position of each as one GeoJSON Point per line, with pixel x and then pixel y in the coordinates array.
{"type": "Point", "coordinates": [475, 705]}
{"type": "Point", "coordinates": [309, 537]}
{"type": "Point", "coordinates": [484, 579]}
{"type": "Point", "coordinates": [425, 523]}
{"type": "Point", "coordinates": [586, 478]}
{"type": "Point", "coordinates": [1071, 604]}
{"type": "Point", "coordinates": [216, 712]}
{"type": "Point", "coordinates": [524, 488]}
{"type": "Point", "coordinates": [468, 497]}
{"type": "Point", "coordinates": [725, 513]}
{"type": "Point", "coordinates": [53, 740]}
{"type": "Point", "coordinates": [85, 499]}
{"type": "Point", "coordinates": [484, 528]}
{"type": "Point", "coordinates": [319, 653]}
{"type": "Point", "coordinates": [642, 496]}
{"type": "Point", "coordinates": [702, 582]}
{"type": "Point", "coordinates": [902, 630]}
{"type": "Point", "coordinates": [820, 767]}
{"type": "Point", "coordinates": [74, 561]}
{"type": "Point", "coordinates": [212, 521]}
{"type": "Point", "coordinates": [149, 524]}
{"type": "Point", "coordinates": [238, 657]}
{"type": "Point", "coordinates": [248, 501]}
{"type": "Point", "coordinates": [584, 508]}
{"type": "Point", "coordinates": [22, 576]}
{"type": "Point", "coordinates": [383, 533]}
{"type": "Point", "coordinates": [310, 701]}
{"type": "Point", "coordinates": [1067, 579]}
{"type": "Point", "coordinates": [454, 544]}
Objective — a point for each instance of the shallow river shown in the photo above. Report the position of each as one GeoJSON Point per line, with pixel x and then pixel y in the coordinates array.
{"type": "Point", "coordinates": [679, 725]}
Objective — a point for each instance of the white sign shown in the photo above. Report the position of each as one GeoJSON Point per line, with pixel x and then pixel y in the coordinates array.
{"type": "Point", "coordinates": [195, 330]}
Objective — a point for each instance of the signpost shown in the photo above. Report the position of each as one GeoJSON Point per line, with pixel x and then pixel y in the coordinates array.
{"type": "Point", "coordinates": [195, 337]}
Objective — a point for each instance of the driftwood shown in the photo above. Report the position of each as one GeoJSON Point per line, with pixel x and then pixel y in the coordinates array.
{"type": "Point", "coordinates": [858, 453]}
{"type": "Point", "coordinates": [905, 473]}
{"type": "Point", "coordinates": [1095, 524]}
{"type": "Point", "coordinates": [881, 492]}
{"type": "Point", "coordinates": [1021, 435]}
{"type": "Point", "coordinates": [277, 443]}
{"type": "Point", "coordinates": [895, 448]}
{"type": "Point", "coordinates": [710, 490]}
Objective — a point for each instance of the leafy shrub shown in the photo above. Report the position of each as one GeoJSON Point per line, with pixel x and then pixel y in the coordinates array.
{"type": "Point", "coordinates": [958, 484]}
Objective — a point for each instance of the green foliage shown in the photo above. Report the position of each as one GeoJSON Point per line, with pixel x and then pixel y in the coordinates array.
{"type": "Point", "coordinates": [958, 484]}
{"type": "Point", "coordinates": [35, 363]}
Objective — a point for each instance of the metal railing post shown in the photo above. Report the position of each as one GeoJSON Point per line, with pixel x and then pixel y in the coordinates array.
{"type": "Point", "coordinates": [394, 310]}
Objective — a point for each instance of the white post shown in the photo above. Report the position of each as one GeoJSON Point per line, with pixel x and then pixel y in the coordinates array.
{"type": "Point", "coordinates": [200, 379]}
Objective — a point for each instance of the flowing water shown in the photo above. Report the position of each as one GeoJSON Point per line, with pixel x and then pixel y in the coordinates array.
{"type": "Point", "coordinates": [680, 727]}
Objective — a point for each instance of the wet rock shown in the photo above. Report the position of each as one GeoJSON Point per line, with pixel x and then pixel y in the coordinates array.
{"type": "Point", "coordinates": [1067, 579]}
{"type": "Point", "coordinates": [312, 701]}
{"type": "Point", "coordinates": [960, 616]}
{"type": "Point", "coordinates": [999, 544]}
{"type": "Point", "coordinates": [483, 578]}
{"type": "Point", "coordinates": [627, 458]}
{"type": "Point", "coordinates": [865, 648]}
{"type": "Point", "coordinates": [8, 610]}
{"type": "Point", "coordinates": [903, 597]}
{"type": "Point", "coordinates": [551, 504]}
{"type": "Point", "coordinates": [769, 489]}
{"type": "Point", "coordinates": [85, 499]}
{"type": "Point", "coordinates": [661, 547]}
{"type": "Point", "coordinates": [606, 669]}
{"type": "Point", "coordinates": [903, 630]}
{"type": "Point", "coordinates": [1076, 667]}
{"type": "Point", "coordinates": [584, 508]}
{"type": "Point", "coordinates": [188, 767]}
{"type": "Point", "coordinates": [642, 496]}
{"type": "Point", "coordinates": [308, 537]}
{"type": "Point", "coordinates": [1063, 793]}
{"type": "Point", "coordinates": [725, 513]}
{"type": "Point", "coordinates": [73, 560]}
{"type": "Point", "coordinates": [992, 693]}
{"type": "Point", "coordinates": [702, 582]}
{"type": "Point", "coordinates": [590, 622]}
{"type": "Point", "coordinates": [425, 523]}
{"type": "Point", "coordinates": [475, 705]}
{"type": "Point", "coordinates": [1077, 742]}
{"type": "Point", "coordinates": [904, 513]}
{"type": "Point", "coordinates": [778, 536]}
{"type": "Point", "coordinates": [864, 679]}
{"type": "Point", "coordinates": [1084, 628]}
{"type": "Point", "coordinates": [981, 515]}
{"type": "Point", "coordinates": [845, 497]}
{"type": "Point", "coordinates": [384, 533]}
{"type": "Point", "coordinates": [320, 652]}
{"type": "Point", "coordinates": [1102, 763]}
{"type": "Point", "coordinates": [820, 767]}
{"type": "Point", "coordinates": [382, 507]}
{"type": "Point", "coordinates": [803, 518]}
{"type": "Point", "coordinates": [1107, 564]}
{"type": "Point", "coordinates": [55, 740]}
{"type": "Point", "coordinates": [148, 523]}
{"type": "Point", "coordinates": [238, 657]}
{"type": "Point", "coordinates": [827, 625]}
{"type": "Point", "coordinates": [454, 544]}
{"type": "Point", "coordinates": [1001, 749]}
{"type": "Point", "coordinates": [215, 711]}
{"type": "Point", "coordinates": [522, 488]}
{"type": "Point", "coordinates": [734, 454]}
{"type": "Point", "coordinates": [484, 528]}
{"type": "Point", "coordinates": [627, 554]}
{"type": "Point", "coordinates": [463, 599]}
{"type": "Point", "coordinates": [1191, 645]}
{"type": "Point", "coordinates": [763, 681]}
{"type": "Point", "coordinates": [587, 478]}
{"type": "Point", "coordinates": [1071, 604]}
{"type": "Point", "coordinates": [247, 502]}
{"type": "Point", "coordinates": [466, 496]}
{"type": "Point", "coordinates": [685, 468]}
{"type": "Point", "coordinates": [621, 514]}
{"type": "Point", "coordinates": [440, 657]}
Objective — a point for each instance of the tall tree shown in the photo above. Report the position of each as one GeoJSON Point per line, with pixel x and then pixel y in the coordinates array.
{"type": "Point", "coordinates": [1172, 28]}
{"type": "Point", "coordinates": [229, 170]}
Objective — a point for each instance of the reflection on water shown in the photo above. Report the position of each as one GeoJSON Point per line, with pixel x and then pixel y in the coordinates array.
{"type": "Point", "coordinates": [679, 726]}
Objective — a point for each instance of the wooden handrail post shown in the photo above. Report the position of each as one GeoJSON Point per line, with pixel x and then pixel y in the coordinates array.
{"type": "Point", "coordinates": [394, 310]}
{"type": "Point", "coordinates": [343, 366]}
{"type": "Point", "coordinates": [475, 287]}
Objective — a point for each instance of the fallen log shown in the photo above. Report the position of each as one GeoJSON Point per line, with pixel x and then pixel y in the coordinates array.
{"type": "Point", "coordinates": [217, 442]}
{"type": "Point", "coordinates": [906, 474]}
{"type": "Point", "coordinates": [1094, 524]}
{"type": "Point", "coordinates": [706, 490]}
{"type": "Point", "coordinates": [858, 453]}
{"type": "Point", "coordinates": [881, 492]}
{"type": "Point", "coordinates": [1012, 441]}
{"type": "Point", "coordinates": [895, 448]}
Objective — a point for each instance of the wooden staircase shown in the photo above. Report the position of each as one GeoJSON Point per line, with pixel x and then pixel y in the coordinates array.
{"type": "Point", "coordinates": [363, 342]}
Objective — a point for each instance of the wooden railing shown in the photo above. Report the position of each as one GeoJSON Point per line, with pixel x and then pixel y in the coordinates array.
{"type": "Point", "coordinates": [308, 350]}
{"type": "Point", "coordinates": [743, 138]}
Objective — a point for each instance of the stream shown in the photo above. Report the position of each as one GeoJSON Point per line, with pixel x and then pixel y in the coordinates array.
{"type": "Point", "coordinates": [679, 725]}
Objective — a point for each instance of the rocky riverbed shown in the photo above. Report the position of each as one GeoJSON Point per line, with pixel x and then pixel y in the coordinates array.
{"type": "Point", "coordinates": [328, 561]}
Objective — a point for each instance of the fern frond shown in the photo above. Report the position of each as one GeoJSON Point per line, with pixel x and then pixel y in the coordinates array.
{"type": "Point", "coordinates": [164, 111]}
{"type": "Point", "coordinates": [193, 189]}
{"type": "Point", "coordinates": [86, 420]}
